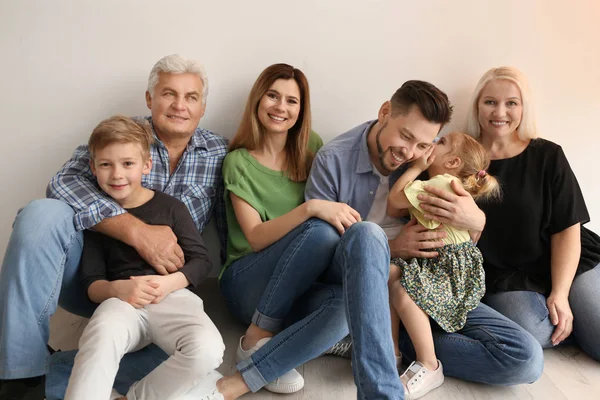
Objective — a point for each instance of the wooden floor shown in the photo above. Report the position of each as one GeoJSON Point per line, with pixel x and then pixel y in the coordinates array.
{"type": "Point", "coordinates": [568, 373]}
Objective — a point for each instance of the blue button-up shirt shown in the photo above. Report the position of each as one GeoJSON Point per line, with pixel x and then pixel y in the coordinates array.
{"type": "Point", "coordinates": [342, 171]}
{"type": "Point", "coordinates": [196, 181]}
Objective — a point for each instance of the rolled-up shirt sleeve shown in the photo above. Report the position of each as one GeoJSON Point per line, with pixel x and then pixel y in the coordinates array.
{"type": "Point", "coordinates": [75, 184]}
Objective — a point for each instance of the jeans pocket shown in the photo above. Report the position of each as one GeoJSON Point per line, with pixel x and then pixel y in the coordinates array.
{"type": "Point", "coordinates": [539, 307]}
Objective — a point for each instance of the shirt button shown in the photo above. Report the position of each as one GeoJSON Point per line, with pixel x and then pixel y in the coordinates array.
{"type": "Point", "coordinates": [371, 192]}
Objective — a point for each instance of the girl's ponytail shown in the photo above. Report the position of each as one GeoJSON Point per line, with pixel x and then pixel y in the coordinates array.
{"type": "Point", "coordinates": [473, 173]}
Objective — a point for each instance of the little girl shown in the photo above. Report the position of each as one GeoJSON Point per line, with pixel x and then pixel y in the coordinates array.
{"type": "Point", "coordinates": [450, 285]}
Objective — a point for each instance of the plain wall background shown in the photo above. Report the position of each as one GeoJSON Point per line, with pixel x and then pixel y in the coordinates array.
{"type": "Point", "coordinates": [66, 65]}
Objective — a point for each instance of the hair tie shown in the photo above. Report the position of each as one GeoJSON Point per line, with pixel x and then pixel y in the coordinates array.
{"type": "Point", "coordinates": [481, 173]}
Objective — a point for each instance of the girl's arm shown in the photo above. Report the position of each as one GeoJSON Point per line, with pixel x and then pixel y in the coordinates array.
{"type": "Point", "coordinates": [565, 250]}
{"type": "Point", "coordinates": [397, 201]}
{"type": "Point", "coordinates": [262, 234]}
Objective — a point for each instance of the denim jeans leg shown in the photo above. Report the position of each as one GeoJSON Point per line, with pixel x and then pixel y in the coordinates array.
{"type": "Point", "coordinates": [319, 322]}
{"type": "Point", "coordinates": [526, 308]}
{"type": "Point", "coordinates": [44, 246]}
{"type": "Point", "coordinates": [490, 348]}
{"type": "Point", "coordinates": [271, 280]}
{"type": "Point", "coordinates": [585, 305]}
{"type": "Point", "coordinates": [265, 287]}
{"type": "Point", "coordinates": [364, 257]}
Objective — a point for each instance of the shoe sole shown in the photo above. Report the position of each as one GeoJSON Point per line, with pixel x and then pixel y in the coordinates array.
{"type": "Point", "coordinates": [287, 389]}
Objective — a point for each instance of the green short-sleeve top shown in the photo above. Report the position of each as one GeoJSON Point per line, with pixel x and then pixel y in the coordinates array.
{"type": "Point", "coordinates": [415, 188]}
{"type": "Point", "coordinates": [269, 192]}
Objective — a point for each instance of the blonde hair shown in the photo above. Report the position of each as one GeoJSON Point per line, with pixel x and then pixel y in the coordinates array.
{"type": "Point", "coordinates": [473, 170]}
{"type": "Point", "coordinates": [527, 128]}
{"type": "Point", "coordinates": [250, 134]}
{"type": "Point", "coordinates": [121, 129]}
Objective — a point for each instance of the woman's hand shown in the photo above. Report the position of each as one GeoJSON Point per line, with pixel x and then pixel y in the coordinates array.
{"type": "Point", "coordinates": [340, 215]}
{"type": "Point", "coordinates": [561, 316]}
{"type": "Point", "coordinates": [457, 209]}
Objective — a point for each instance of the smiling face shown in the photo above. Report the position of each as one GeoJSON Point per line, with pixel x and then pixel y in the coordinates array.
{"type": "Point", "coordinates": [118, 168]}
{"type": "Point", "coordinates": [402, 138]}
{"type": "Point", "coordinates": [279, 107]}
{"type": "Point", "coordinates": [176, 105]}
{"type": "Point", "coordinates": [500, 109]}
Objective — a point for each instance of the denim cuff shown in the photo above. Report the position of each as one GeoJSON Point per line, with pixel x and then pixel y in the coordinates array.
{"type": "Point", "coordinates": [267, 323]}
{"type": "Point", "coordinates": [251, 375]}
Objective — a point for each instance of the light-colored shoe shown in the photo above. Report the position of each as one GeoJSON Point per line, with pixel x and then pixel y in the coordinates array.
{"type": "Point", "coordinates": [205, 389]}
{"type": "Point", "coordinates": [418, 380]}
{"type": "Point", "coordinates": [290, 382]}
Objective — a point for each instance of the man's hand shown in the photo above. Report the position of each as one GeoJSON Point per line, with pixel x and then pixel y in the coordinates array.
{"type": "Point", "coordinates": [157, 244]}
{"type": "Point", "coordinates": [457, 209]}
{"type": "Point", "coordinates": [561, 316]}
{"type": "Point", "coordinates": [414, 238]}
{"type": "Point", "coordinates": [138, 293]}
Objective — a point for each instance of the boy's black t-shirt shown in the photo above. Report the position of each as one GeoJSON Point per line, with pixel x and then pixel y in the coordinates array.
{"type": "Point", "coordinates": [540, 197]}
{"type": "Point", "coordinates": [105, 258]}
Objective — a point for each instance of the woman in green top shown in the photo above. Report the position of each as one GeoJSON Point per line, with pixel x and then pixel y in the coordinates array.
{"type": "Point", "coordinates": [279, 245]}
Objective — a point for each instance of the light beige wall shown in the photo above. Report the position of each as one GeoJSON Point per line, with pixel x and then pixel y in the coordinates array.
{"type": "Point", "coordinates": [65, 65]}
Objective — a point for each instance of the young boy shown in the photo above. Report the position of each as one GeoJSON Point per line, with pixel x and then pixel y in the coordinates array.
{"type": "Point", "coordinates": [138, 307]}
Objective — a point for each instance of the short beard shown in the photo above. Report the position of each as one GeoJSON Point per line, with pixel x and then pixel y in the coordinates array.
{"type": "Point", "coordinates": [380, 149]}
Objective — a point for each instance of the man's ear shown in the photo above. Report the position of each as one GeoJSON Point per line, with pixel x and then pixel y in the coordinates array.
{"type": "Point", "coordinates": [148, 100]}
{"type": "Point", "coordinates": [92, 167]}
{"type": "Point", "coordinates": [453, 162]}
{"type": "Point", "coordinates": [384, 111]}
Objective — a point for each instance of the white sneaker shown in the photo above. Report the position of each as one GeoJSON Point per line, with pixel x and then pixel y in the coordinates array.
{"type": "Point", "coordinates": [290, 382]}
{"type": "Point", "coordinates": [418, 380]}
{"type": "Point", "coordinates": [205, 389]}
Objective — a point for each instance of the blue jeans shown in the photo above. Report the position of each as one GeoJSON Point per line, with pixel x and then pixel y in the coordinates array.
{"type": "Point", "coordinates": [529, 310]}
{"type": "Point", "coordinates": [490, 348]}
{"type": "Point", "coordinates": [362, 263]}
{"type": "Point", "coordinates": [278, 289]}
{"type": "Point", "coordinates": [39, 272]}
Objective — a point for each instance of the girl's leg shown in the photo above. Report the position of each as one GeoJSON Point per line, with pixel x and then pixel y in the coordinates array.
{"type": "Point", "coordinates": [395, 275]}
{"type": "Point", "coordinates": [417, 325]}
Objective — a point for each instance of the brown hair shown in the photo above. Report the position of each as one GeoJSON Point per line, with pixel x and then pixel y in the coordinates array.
{"type": "Point", "coordinates": [250, 134]}
{"type": "Point", "coordinates": [431, 101]}
{"type": "Point", "coordinates": [473, 171]}
{"type": "Point", "coordinates": [120, 129]}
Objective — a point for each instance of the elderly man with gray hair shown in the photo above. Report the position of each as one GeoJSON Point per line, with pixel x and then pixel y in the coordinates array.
{"type": "Point", "coordinates": [40, 267]}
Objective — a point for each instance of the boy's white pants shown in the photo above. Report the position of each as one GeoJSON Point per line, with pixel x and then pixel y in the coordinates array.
{"type": "Point", "coordinates": [178, 325]}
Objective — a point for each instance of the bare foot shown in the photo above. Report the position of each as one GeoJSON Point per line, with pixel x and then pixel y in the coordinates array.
{"type": "Point", "coordinates": [232, 387]}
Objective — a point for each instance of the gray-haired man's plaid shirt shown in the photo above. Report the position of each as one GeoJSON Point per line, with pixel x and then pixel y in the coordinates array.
{"type": "Point", "coordinates": [197, 182]}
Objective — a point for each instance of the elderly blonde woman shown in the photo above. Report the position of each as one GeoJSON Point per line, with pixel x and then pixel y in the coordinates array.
{"type": "Point", "coordinates": [541, 264]}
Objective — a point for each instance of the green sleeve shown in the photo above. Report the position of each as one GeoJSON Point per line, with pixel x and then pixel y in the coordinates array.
{"type": "Point", "coordinates": [235, 170]}
{"type": "Point", "coordinates": [314, 142]}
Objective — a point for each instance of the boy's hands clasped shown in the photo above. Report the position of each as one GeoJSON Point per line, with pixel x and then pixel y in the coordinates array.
{"type": "Point", "coordinates": [137, 292]}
